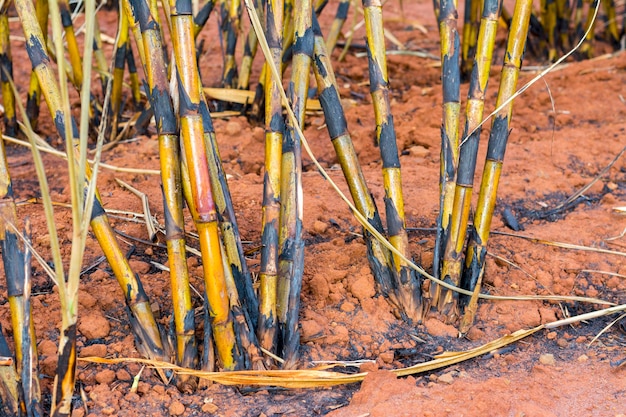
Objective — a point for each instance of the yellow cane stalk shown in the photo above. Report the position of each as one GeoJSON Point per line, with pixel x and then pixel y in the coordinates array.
{"type": "Point", "coordinates": [477, 246]}
{"type": "Point", "coordinates": [452, 261]}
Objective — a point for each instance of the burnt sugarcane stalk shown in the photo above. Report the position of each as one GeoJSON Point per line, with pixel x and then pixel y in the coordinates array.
{"type": "Point", "coordinates": [9, 390]}
{"type": "Point", "coordinates": [291, 244]}
{"type": "Point", "coordinates": [612, 31]}
{"type": "Point", "coordinates": [16, 261]}
{"type": "Point", "coordinates": [101, 61]}
{"type": "Point", "coordinates": [471, 22]}
{"type": "Point", "coordinates": [246, 336]}
{"type": "Point", "coordinates": [33, 98]}
{"type": "Point", "coordinates": [549, 22]}
{"type": "Point", "coordinates": [274, 130]}
{"type": "Point", "coordinates": [452, 261]}
{"type": "Point", "coordinates": [230, 33]}
{"type": "Point", "coordinates": [337, 25]}
{"type": "Point", "coordinates": [202, 17]}
{"type": "Point", "coordinates": [451, 82]}
{"type": "Point", "coordinates": [586, 49]}
{"type": "Point", "coordinates": [243, 301]}
{"type": "Point", "coordinates": [134, 78]}
{"type": "Point", "coordinates": [258, 106]}
{"type": "Point", "coordinates": [72, 44]}
{"type": "Point", "coordinates": [249, 50]}
{"type": "Point", "coordinates": [161, 103]}
{"type": "Point", "coordinates": [134, 27]}
{"type": "Point", "coordinates": [477, 246]}
{"type": "Point", "coordinates": [136, 297]}
{"type": "Point", "coordinates": [563, 14]}
{"type": "Point", "coordinates": [407, 283]}
{"type": "Point", "coordinates": [203, 205]}
{"type": "Point", "coordinates": [122, 45]}
{"type": "Point", "coordinates": [231, 237]}
{"type": "Point", "coordinates": [378, 255]}
{"type": "Point", "coordinates": [6, 68]}
{"type": "Point", "coordinates": [30, 362]}
{"type": "Point", "coordinates": [186, 347]}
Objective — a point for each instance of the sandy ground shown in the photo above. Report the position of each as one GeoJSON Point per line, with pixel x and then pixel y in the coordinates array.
{"type": "Point", "coordinates": [565, 130]}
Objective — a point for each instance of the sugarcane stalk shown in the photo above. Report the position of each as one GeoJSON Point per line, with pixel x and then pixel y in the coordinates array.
{"type": "Point", "coordinates": [9, 391]}
{"type": "Point", "coordinates": [437, 9]}
{"type": "Point", "coordinates": [249, 50]}
{"type": "Point", "coordinates": [33, 98]}
{"type": "Point", "coordinates": [563, 14]}
{"type": "Point", "coordinates": [335, 29]}
{"type": "Point", "coordinates": [290, 242]}
{"type": "Point", "coordinates": [612, 30]}
{"type": "Point", "coordinates": [6, 69]}
{"type": "Point", "coordinates": [451, 83]}
{"type": "Point", "coordinates": [16, 261]}
{"type": "Point", "coordinates": [578, 18]}
{"type": "Point", "coordinates": [204, 210]}
{"type": "Point", "coordinates": [586, 49]}
{"type": "Point", "coordinates": [134, 78]}
{"type": "Point", "coordinates": [257, 109]}
{"type": "Point", "coordinates": [17, 265]}
{"type": "Point", "coordinates": [227, 220]}
{"type": "Point", "coordinates": [30, 362]}
{"type": "Point", "coordinates": [246, 337]}
{"type": "Point", "coordinates": [477, 246]}
{"type": "Point", "coordinates": [549, 21]}
{"type": "Point", "coordinates": [202, 16]}
{"type": "Point", "coordinates": [156, 73]}
{"type": "Point", "coordinates": [471, 22]}
{"type": "Point", "coordinates": [452, 261]}
{"type": "Point", "coordinates": [134, 293]}
{"type": "Point", "coordinates": [101, 61]}
{"type": "Point", "coordinates": [121, 46]}
{"type": "Point", "coordinates": [274, 130]}
{"type": "Point", "coordinates": [230, 31]}
{"type": "Point", "coordinates": [184, 324]}
{"type": "Point", "coordinates": [258, 104]}
{"type": "Point", "coordinates": [72, 44]}
{"type": "Point", "coordinates": [407, 285]}
{"type": "Point", "coordinates": [133, 24]}
{"type": "Point", "coordinates": [319, 5]}
{"type": "Point", "coordinates": [378, 255]}
{"type": "Point", "coordinates": [83, 194]}
{"type": "Point", "coordinates": [231, 237]}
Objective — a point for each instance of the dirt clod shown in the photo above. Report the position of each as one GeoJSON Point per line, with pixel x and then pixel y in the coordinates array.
{"type": "Point", "coordinates": [176, 408]}
{"type": "Point", "coordinates": [319, 287]}
{"type": "Point", "coordinates": [108, 411]}
{"type": "Point", "coordinates": [387, 357]}
{"type": "Point", "coordinates": [363, 287]}
{"type": "Point", "coordinates": [320, 227]}
{"type": "Point", "coordinates": [447, 378]}
{"type": "Point", "coordinates": [437, 328]}
{"type": "Point", "coordinates": [547, 359]}
{"type": "Point", "coordinates": [209, 408]}
{"type": "Point", "coordinates": [311, 329]}
{"type": "Point", "coordinates": [99, 350]}
{"type": "Point", "coordinates": [94, 326]}
{"type": "Point", "coordinates": [105, 376]}
{"type": "Point", "coordinates": [233, 128]}
{"type": "Point", "coordinates": [122, 375]}
{"type": "Point", "coordinates": [562, 343]}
